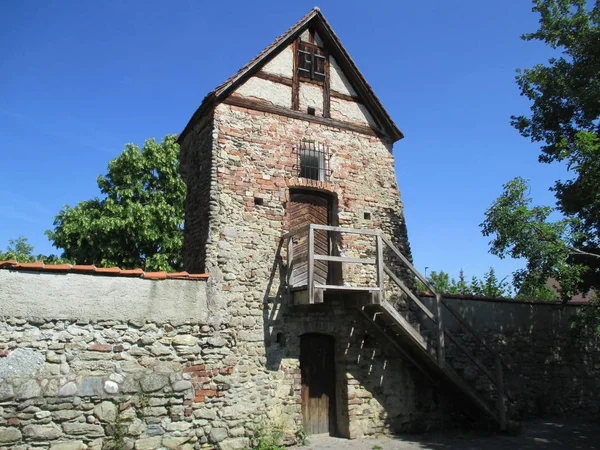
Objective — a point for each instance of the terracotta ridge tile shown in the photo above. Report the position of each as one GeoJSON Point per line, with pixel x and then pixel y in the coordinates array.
{"type": "Point", "coordinates": [108, 270]}
{"type": "Point", "coordinates": [32, 265]}
{"type": "Point", "coordinates": [90, 269]}
{"type": "Point", "coordinates": [58, 267]}
{"type": "Point", "coordinates": [83, 267]}
{"type": "Point", "coordinates": [8, 262]}
{"type": "Point", "coordinates": [178, 275]}
{"type": "Point", "coordinates": [198, 276]}
{"type": "Point", "coordinates": [136, 271]}
{"type": "Point", "coordinates": [162, 275]}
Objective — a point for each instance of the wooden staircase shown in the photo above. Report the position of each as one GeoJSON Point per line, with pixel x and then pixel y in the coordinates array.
{"type": "Point", "coordinates": [426, 351]}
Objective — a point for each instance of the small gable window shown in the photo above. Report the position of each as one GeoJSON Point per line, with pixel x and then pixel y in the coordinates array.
{"type": "Point", "coordinates": [311, 61]}
{"type": "Point", "coordinates": [312, 161]}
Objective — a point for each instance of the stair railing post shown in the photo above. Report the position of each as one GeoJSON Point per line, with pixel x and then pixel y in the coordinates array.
{"type": "Point", "coordinates": [311, 265]}
{"type": "Point", "coordinates": [500, 404]}
{"type": "Point", "coordinates": [379, 261]}
{"type": "Point", "coordinates": [290, 258]}
{"type": "Point", "coordinates": [441, 350]}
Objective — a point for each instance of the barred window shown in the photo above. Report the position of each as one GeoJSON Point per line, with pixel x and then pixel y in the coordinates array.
{"type": "Point", "coordinates": [312, 161]}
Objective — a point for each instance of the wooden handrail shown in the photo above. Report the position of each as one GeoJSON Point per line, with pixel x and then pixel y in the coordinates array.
{"type": "Point", "coordinates": [435, 316]}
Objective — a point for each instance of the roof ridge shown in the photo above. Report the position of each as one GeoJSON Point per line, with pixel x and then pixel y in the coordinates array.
{"type": "Point", "coordinates": [373, 102]}
{"type": "Point", "coordinates": [91, 269]}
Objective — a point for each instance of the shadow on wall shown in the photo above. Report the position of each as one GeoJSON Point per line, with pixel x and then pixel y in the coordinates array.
{"type": "Point", "coordinates": [552, 373]}
{"type": "Point", "coordinates": [377, 389]}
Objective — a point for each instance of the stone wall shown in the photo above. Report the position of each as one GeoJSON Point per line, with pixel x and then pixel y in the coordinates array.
{"type": "Point", "coordinates": [103, 362]}
{"type": "Point", "coordinates": [552, 372]}
{"type": "Point", "coordinates": [197, 170]}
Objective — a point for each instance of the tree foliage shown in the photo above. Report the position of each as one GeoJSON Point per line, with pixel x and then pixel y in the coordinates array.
{"type": "Point", "coordinates": [565, 120]}
{"type": "Point", "coordinates": [522, 231]}
{"type": "Point", "coordinates": [20, 250]}
{"type": "Point", "coordinates": [138, 222]}
{"type": "Point", "coordinates": [489, 285]}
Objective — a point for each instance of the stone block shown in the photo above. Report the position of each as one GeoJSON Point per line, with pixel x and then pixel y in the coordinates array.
{"type": "Point", "coordinates": [153, 382]}
{"type": "Point", "coordinates": [42, 432]}
{"type": "Point", "coordinates": [83, 429]}
{"type": "Point", "coordinates": [9, 434]}
{"type": "Point", "coordinates": [150, 443]}
{"type": "Point", "coordinates": [28, 389]}
{"type": "Point", "coordinates": [67, 445]}
{"type": "Point", "coordinates": [185, 340]}
{"type": "Point", "coordinates": [240, 443]}
{"type": "Point", "coordinates": [218, 434]}
{"type": "Point", "coordinates": [6, 391]}
{"type": "Point", "coordinates": [106, 411]}
{"type": "Point", "coordinates": [175, 442]}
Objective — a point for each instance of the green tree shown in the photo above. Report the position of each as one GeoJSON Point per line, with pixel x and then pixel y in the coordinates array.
{"type": "Point", "coordinates": [490, 285]}
{"type": "Point", "coordinates": [520, 230]}
{"type": "Point", "coordinates": [565, 120]}
{"type": "Point", "coordinates": [18, 249]}
{"type": "Point", "coordinates": [139, 220]}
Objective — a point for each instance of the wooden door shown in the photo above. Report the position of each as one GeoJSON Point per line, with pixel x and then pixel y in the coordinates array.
{"type": "Point", "coordinates": [317, 367]}
{"type": "Point", "coordinates": [305, 208]}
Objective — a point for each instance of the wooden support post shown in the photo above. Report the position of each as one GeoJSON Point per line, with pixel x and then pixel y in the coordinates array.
{"type": "Point", "coordinates": [290, 259]}
{"type": "Point", "coordinates": [379, 261]}
{"type": "Point", "coordinates": [441, 350]}
{"type": "Point", "coordinates": [311, 265]}
{"type": "Point", "coordinates": [500, 404]}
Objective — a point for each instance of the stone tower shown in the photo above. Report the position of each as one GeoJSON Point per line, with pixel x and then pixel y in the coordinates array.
{"type": "Point", "coordinates": [298, 137]}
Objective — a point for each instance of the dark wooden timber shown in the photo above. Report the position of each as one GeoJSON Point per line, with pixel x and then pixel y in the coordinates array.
{"type": "Point", "coordinates": [275, 78]}
{"type": "Point", "coordinates": [326, 89]}
{"type": "Point", "coordinates": [348, 98]}
{"type": "Point", "coordinates": [273, 109]}
{"type": "Point", "coordinates": [295, 79]}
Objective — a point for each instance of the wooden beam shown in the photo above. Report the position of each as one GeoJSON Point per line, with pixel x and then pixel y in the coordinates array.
{"type": "Point", "coordinates": [348, 98]}
{"type": "Point", "coordinates": [311, 266]}
{"type": "Point", "coordinates": [408, 292]}
{"type": "Point", "coordinates": [281, 111]}
{"type": "Point", "coordinates": [441, 350]}
{"type": "Point", "coordinates": [344, 259]}
{"type": "Point", "coordinates": [296, 78]}
{"type": "Point", "coordinates": [345, 230]}
{"type": "Point", "coordinates": [326, 89]}
{"type": "Point", "coordinates": [275, 78]}
{"type": "Point", "coordinates": [398, 347]}
{"type": "Point", "coordinates": [407, 328]}
{"type": "Point", "coordinates": [500, 405]}
{"type": "Point", "coordinates": [380, 267]}
{"type": "Point", "coordinates": [335, 287]}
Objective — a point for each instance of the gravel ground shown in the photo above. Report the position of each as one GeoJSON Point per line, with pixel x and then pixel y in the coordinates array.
{"type": "Point", "coordinates": [536, 435]}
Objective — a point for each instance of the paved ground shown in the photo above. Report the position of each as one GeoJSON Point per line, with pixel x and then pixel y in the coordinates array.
{"type": "Point", "coordinates": [534, 436]}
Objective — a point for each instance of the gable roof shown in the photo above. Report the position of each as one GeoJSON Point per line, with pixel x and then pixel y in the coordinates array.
{"type": "Point", "coordinates": [315, 20]}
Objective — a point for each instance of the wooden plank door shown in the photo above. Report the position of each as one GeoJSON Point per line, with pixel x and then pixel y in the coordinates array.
{"type": "Point", "coordinates": [317, 367]}
{"type": "Point", "coordinates": [305, 208]}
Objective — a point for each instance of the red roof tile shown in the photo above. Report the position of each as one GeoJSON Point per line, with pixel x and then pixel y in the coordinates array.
{"type": "Point", "coordinates": [108, 270]}
{"type": "Point", "coordinates": [104, 271]}
{"type": "Point", "coordinates": [155, 275]}
{"type": "Point", "coordinates": [33, 265]}
{"type": "Point", "coordinates": [83, 268]}
{"type": "Point", "coordinates": [57, 267]}
{"type": "Point", "coordinates": [137, 271]}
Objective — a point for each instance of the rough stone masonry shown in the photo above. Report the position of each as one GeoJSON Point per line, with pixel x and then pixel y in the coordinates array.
{"type": "Point", "coordinates": [110, 361]}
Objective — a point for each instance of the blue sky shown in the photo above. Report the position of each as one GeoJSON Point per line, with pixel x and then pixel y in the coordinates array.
{"type": "Point", "coordinates": [78, 80]}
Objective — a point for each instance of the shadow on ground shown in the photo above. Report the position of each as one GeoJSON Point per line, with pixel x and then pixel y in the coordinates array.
{"type": "Point", "coordinates": [536, 435]}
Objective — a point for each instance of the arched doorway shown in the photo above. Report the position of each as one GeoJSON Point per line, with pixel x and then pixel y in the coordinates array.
{"type": "Point", "coordinates": [317, 368]}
